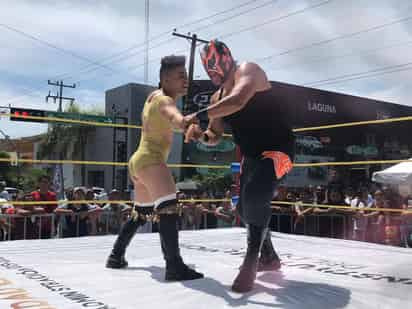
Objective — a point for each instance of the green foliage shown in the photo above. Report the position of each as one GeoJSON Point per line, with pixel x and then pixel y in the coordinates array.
{"type": "Point", "coordinates": [66, 139]}
{"type": "Point", "coordinates": [215, 180]}
{"type": "Point", "coordinates": [22, 176]}
{"type": "Point", "coordinates": [25, 178]}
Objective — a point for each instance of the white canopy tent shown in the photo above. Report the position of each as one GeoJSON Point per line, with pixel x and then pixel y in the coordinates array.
{"type": "Point", "coordinates": [399, 174]}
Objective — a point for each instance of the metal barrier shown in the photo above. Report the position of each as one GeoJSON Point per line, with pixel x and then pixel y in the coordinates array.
{"type": "Point", "coordinates": [32, 224]}
{"type": "Point", "coordinates": [41, 226]}
{"type": "Point", "coordinates": [315, 219]}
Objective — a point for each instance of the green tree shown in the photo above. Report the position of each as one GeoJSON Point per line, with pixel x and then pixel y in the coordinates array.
{"type": "Point", "coordinates": [216, 180]}
{"type": "Point", "coordinates": [23, 176]}
{"type": "Point", "coordinates": [68, 139]}
{"type": "Point", "coordinates": [26, 178]}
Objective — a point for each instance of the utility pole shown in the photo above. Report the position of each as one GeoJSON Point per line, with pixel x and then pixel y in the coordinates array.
{"type": "Point", "coordinates": [60, 93]}
{"type": "Point", "coordinates": [146, 39]}
{"type": "Point", "coordinates": [194, 39]}
{"type": "Point", "coordinates": [58, 177]}
{"type": "Point", "coordinates": [186, 103]}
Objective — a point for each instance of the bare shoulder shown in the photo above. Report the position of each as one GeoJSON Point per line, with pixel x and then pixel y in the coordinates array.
{"type": "Point", "coordinates": [215, 97]}
{"type": "Point", "coordinates": [250, 68]}
{"type": "Point", "coordinates": [152, 95]}
{"type": "Point", "coordinates": [165, 100]}
{"type": "Point", "coordinates": [252, 72]}
{"type": "Point", "coordinates": [165, 104]}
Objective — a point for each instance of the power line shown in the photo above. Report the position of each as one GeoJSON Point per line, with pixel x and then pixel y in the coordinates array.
{"type": "Point", "coordinates": [320, 42]}
{"type": "Point", "coordinates": [276, 19]}
{"type": "Point", "coordinates": [53, 46]}
{"type": "Point", "coordinates": [269, 21]}
{"type": "Point", "coordinates": [340, 37]}
{"type": "Point", "coordinates": [157, 36]}
{"type": "Point", "coordinates": [217, 14]}
{"type": "Point", "coordinates": [97, 63]}
{"type": "Point", "coordinates": [165, 41]}
{"type": "Point", "coordinates": [326, 59]}
{"type": "Point", "coordinates": [217, 22]}
{"type": "Point", "coordinates": [361, 75]}
{"type": "Point", "coordinates": [271, 2]}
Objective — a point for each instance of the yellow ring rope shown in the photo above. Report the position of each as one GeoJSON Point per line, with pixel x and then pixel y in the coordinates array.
{"type": "Point", "coordinates": [42, 203]}
{"type": "Point", "coordinates": [176, 165]}
{"type": "Point", "coordinates": [132, 126]}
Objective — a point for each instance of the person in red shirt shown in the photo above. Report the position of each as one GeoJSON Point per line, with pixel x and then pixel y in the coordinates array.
{"type": "Point", "coordinates": [40, 195]}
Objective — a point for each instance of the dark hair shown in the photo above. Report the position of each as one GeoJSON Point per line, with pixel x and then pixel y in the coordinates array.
{"type": "Point", "coordinates": [43, 177]}
{"type": "Point", "coordinates": [171, 62]}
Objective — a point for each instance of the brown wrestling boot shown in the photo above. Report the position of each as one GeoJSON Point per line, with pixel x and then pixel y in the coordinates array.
{"type": "Point", "coordinates": [246, 277]}
{"type": "Point", "coordinates": [268, 260]}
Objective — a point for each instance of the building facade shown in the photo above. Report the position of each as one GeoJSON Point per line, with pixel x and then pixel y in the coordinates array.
{"type": "Point", "coordinates": [308, 107]}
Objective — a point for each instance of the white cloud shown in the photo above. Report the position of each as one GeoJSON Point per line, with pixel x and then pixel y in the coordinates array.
{"type": "Point", "coordinates": [97, 29]}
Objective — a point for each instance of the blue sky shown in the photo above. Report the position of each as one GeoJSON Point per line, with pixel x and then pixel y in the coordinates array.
{"type": "Point", "coordinates": [309, 41]}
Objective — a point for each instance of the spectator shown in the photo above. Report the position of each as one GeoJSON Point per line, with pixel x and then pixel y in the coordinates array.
{"type": "Point", "coordinates": [393, 220]}
{"type": "Point", "coordinates": [304, 223]}
{"type": "Point", "coordinates": [360, 223]}
{"type": "Point", "coordinates": [43, 194]}
{"type": "Point", "coordinates": [376, 219]}
{"type": "Point", "coordinates": [281, 193]}
{"type": "Point", "coordinates": [24, 223]}
{"type": "Point", "coordinates": [226, 214]}
{"type": "Point", "coordinates": [95, 216]}
{"type": "Point", "coordinates": [5, 225]}
{"type": "Point", "coordinates": [208, 219]}
{"type": "Point", "coordinates": [77, 216]}
{"type": "Point", "coordinates": [335, 197]}
{"type": "Point", "coordinates": [324, 213]}
{"type": "Point", "coordinates": [349, 195]}
{"type": "Point", "coordinates": [320, 195]}
{"type": "Point", "coordinates": [192, 214]}
{"type": "Point", "coordinates": [282, 219]}
{"type": "Point", "coordinates": [406, 226]}
{"type": "Point", "coordinates": [4, 205]}
{"type": "Point", "coordinates": [115, 213]}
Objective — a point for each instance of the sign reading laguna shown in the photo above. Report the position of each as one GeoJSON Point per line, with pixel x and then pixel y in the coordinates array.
{"type": "Point", "coordinates": [319, 107]}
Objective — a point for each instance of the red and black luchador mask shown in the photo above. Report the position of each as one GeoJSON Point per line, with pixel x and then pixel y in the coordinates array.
{"type": "Point", "coordinates": [217, 61]}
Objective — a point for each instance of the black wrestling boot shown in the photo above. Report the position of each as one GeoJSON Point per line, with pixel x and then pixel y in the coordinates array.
{"type": "Point", "coordinates": [176, 269]}
{"type": "Point", "coordinates": [116, 258]}
{"type": "Point", "coordinates": [268, 260]}
{"type": "Point", "coordinates": [246, 277]}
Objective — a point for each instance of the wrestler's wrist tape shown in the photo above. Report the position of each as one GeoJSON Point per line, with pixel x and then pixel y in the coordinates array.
{"type": "Point", "coordinates": [207, 136]}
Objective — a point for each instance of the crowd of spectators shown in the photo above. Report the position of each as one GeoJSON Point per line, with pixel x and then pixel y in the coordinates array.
{"type": "Point", "coordinates": [329, 215]}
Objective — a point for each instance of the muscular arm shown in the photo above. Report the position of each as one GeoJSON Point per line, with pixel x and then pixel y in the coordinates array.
{"type": "Point", "coordinates": [248, 79]}
{"type": "Point", "coordinates": [168, 110]}
{"type": "Point", "coordinates": [213, 134]}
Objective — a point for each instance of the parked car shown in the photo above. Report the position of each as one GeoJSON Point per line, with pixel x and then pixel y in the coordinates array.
{"type": "Point", "coordinates": [310, 142]}
{"type": "Point", "coordinates": [12, 192]}
{"type": "Point", "coordinates": [99, 193]}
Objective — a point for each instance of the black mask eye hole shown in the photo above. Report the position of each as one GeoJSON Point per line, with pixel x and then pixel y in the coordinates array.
{"type": "Point", "coordinates": [212, 62]}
